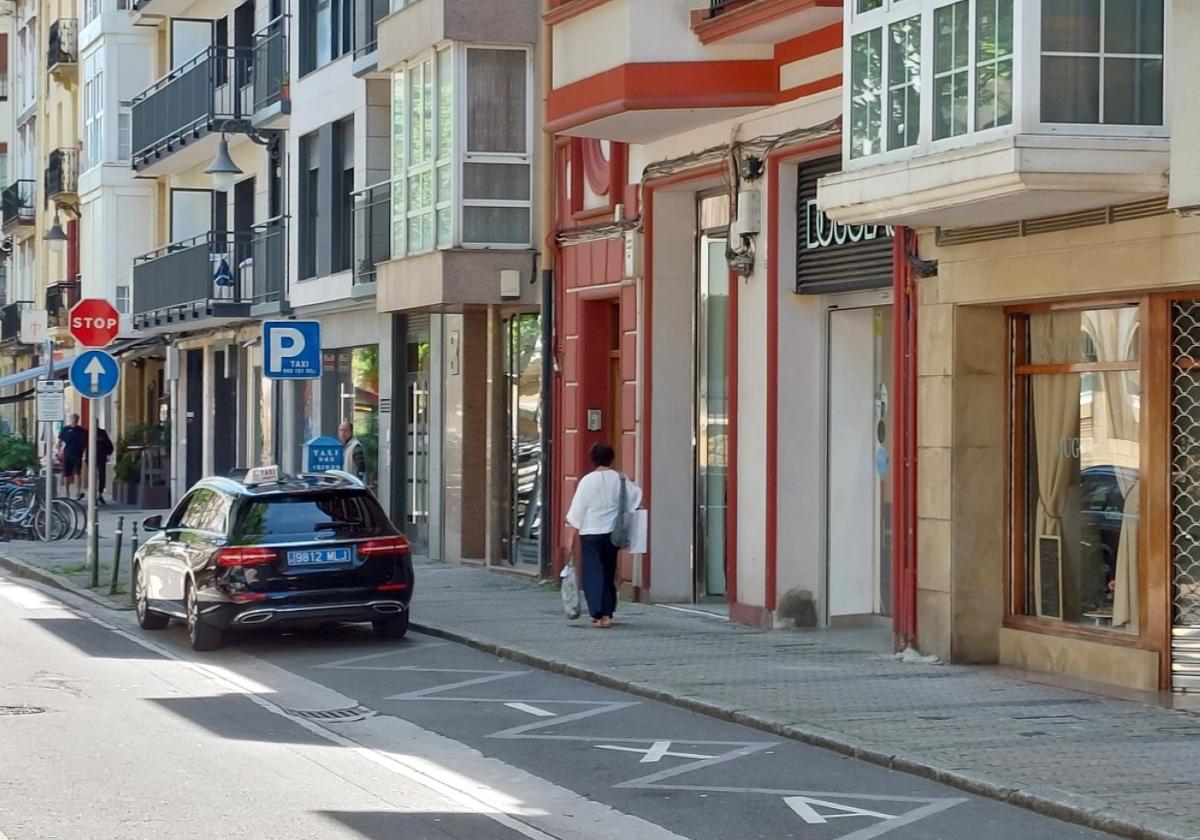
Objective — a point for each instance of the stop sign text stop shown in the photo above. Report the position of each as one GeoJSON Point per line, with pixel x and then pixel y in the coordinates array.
{"type": "Point", "coordinates": [94, 322]}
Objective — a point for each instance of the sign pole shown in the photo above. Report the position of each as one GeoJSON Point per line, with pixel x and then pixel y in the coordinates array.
{"type": "Point", "coordinates": [93, 547]}
{"type": "Point", "coordinates": [49, 442]}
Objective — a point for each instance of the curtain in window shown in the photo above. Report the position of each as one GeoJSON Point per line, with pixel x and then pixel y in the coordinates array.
{"type": "Point", "coordinates": [1055, 419]}
{"type": "Point", "coordinates": [496, 101]}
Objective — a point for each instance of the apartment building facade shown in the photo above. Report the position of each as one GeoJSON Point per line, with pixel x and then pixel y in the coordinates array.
{"type": "Point", "coordinates": [730, 340]}
{"type": "Point", "coordinates": [1035, 151]}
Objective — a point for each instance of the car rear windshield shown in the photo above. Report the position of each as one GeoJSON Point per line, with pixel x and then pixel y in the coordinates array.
{"type": "Point", "coordinates": [342, 515]}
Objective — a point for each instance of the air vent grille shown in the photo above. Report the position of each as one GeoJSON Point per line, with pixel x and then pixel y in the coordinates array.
{"type": "Point", "coordinates": [1053, 224]}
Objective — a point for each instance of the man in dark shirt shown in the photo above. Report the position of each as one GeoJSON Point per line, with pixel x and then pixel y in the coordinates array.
{"type": "Point", "coordinates": [72, 443]}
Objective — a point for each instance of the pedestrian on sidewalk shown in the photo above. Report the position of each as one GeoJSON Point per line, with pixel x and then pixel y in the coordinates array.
{"type": "Point", "coordinates": [593, 514]}
{"type": "Point", "coordinates": [104, 451]}
{"type": "Point", "coordinates": [72, 442]}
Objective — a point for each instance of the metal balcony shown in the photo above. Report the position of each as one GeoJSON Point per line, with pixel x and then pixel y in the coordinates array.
{"type": "Point", "coordinates": [211, 93]}
{"type": "Point", "coordinates": [10, 320]}
{"type": "Point", "coordinates": [60, 297]}
{"type": "Point", "coordinates": [367, 14]}
{"type": "Point", "coordinates": [62, 49]}
{"type": "Point", "coordinates": [19, 207]}
{"type": "Point", "coordinates": [217, 276]}
{"type": "Point", "coordinates": [272, 91]}
{"type": "Point", "coordinates": [372, 231]}
{"type": "Point", "coordinates": [62, 176]}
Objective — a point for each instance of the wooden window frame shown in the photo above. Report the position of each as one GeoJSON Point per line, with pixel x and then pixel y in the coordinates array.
{"type": "Point", "coordinates": [1154, 347]}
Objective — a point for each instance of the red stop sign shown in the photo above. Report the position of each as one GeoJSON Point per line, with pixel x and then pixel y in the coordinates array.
{"type": "Point", "coordinates": [94, 322]}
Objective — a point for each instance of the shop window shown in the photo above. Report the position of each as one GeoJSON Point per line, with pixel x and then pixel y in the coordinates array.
{"type": "Point", "coordinates": [1077, 464]}
{"type": "Point", "coordinates": [350, 394]}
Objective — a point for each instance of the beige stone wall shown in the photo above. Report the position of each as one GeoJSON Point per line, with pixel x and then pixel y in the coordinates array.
{"type": "Point", "coordinates": [962, 344]}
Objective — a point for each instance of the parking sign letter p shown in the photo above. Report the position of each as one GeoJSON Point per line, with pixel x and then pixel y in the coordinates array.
{"type": "Point", "coordinates": [286, 342]}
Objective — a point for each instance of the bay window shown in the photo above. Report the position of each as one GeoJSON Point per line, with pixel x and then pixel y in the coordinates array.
{"type": "Point", "coordinates": [462, 150]}
{"type": "Point", "coordinates": [1096, 62]}
{"type": "Point", "coordinates": [93, 110]}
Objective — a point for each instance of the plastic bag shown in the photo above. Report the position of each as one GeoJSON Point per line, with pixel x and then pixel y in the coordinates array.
{"type": "Point", "coordinates": [570, 591]}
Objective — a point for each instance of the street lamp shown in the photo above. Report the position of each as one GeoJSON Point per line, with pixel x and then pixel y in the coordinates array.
{"type": "Point", "coordinates": [56, 237]}
{"type": "Point", "coordinates": [223, 170]}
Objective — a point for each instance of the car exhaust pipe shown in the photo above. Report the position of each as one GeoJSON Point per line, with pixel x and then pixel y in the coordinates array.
{"type": "Point", "coordinates": [388, 609]}
{"type": "Point", "coordinates": [255, 618]}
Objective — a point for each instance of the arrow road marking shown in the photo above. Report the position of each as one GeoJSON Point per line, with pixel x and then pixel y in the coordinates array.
{"type": "Point", "coordinates": [95, 369]}
{"type": "Point", "coordinates": [655, 753]}
{"type": "Point", "coordinates": [532, 710]}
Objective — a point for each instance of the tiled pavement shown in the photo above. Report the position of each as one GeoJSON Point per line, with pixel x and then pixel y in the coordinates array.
{"type": "Point", "coordinates": [1118, 764]}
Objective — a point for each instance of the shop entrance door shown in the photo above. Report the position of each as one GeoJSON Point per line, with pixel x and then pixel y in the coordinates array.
{"type": "Point", "coordinates": [859, 492]}
{"type": "Point", "coordinates": [712, 416]}
{"type": "Point", "coordinates": [1185, 500]}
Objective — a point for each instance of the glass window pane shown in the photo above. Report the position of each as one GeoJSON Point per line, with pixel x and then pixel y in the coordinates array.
{"type": "Point", "coordinates": [1133, 91]}
{"type": "Point", "coordinates": [994, 95]}
{"type": "Point", "coordinates": [445, 228]}
{"type": "Point", "coordinates": [1082, 467]}
{"type": "Point", "coordinates": [865, 93]}
{"type": "Point", "coordinates": [1092, 335]}
{"type": "Point", "coordinates": [502, 181]}
{"type": "Point", "coordinates": [445, 69]}
{"type": "Point", "coordinates": [1070, 89]}
{"type": "Point", "coordinates": [950, 32]}
{"type": "Point", "coordinates": [498, 225]}
{"type": "Point", "coordinates": [1071, 26]}
{"type": "Point", "coordinates": [445, 184]}
{"type": "Point", "coordinates": [868, 5]}
{"type": "Point", "coordinates": [904, 80]}
{"type": "Point", "coordinates": [496, 101]}
{"type": "Point", "coordinates": [1004, 27]}
{"type": "Point", "coordinates": [1133, 26]}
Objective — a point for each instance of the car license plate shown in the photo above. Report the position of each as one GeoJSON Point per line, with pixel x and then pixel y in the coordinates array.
{"type": "Point", "coordinates": [319, 557]}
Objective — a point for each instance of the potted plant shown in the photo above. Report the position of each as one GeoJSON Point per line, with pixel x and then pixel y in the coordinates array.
{"type": "Point", "coordinates": [285, 88]}
{"type": "Point", "coordinates": [132, 448]}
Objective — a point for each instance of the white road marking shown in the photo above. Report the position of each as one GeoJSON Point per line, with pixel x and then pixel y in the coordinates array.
{"type": "Point", "coordinates": [532, 710]}
{"type": "Point", "coordinates": [655, 753]}
{"type": "Point", "coordinates": [803, 805]}
{"type": "Point", "coordinates": [353, 663]}
{"type": "Point", "coordinates": [567, 814]}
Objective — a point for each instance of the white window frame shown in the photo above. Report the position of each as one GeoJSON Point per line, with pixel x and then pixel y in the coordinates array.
{"type": "Point", "coordinates": [93, 111]}
{"type": "Point", "coordinates": [1027, 53]}
{"type": "Point", "coordinates": [465, 157]}
{"type": "Point", "coordinates": [453, 203]}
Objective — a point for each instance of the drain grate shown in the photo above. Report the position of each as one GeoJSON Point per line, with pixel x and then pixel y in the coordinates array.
{"type": "Point", "coordinates": [335, 715]}
{"type": "Point", "coordinates": [21, 710]}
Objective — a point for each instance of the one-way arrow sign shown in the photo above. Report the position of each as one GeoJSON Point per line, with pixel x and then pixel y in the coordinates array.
{"type": "Point", "coordinates": [94, 374]}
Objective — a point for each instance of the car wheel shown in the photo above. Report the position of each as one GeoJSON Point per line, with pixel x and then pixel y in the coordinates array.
{"type": "Point", "coordinates": [202, 635]}
{"type": "Point", "coordinates": [392, 627]}
{"type": "Point", "coordinates": [147, 618]}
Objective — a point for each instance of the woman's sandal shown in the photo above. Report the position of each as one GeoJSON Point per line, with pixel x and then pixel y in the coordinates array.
{"type": "Point", "coordinates": [604, 623]}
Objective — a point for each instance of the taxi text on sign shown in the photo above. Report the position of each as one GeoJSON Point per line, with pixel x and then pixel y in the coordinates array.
{"type": "Point", "coordinates": [94, 322]}
{"type": "Point", "coordinates": [291, 349]}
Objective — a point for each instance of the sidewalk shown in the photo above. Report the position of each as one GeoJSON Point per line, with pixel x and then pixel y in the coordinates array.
{"type": "Point", "coordinates": [1128, 767]}
{"type": "Point", "coordinates": [64, 563]}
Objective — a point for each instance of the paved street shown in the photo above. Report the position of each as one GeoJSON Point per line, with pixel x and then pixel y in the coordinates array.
{"type": "Point", "coordinates": [128, 734]}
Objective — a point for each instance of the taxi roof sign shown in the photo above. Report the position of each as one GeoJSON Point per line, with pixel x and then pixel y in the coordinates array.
{"type": "Point", "coordinates": [262, 475]}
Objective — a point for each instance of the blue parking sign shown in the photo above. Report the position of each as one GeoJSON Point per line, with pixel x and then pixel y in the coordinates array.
{"type": "Point", "coordinates": [292, 349]}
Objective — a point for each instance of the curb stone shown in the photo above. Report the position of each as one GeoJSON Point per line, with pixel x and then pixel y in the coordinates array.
{"type": "Point", "coordinates": [25, 570]}
{"type": "Point", "coordinates": [1041, 799]}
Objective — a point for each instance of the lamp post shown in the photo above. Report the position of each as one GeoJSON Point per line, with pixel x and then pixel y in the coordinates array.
{"type": "Point", "coordinates": [55, 238]}
{"type": "Point", "coordinates": [223, 170]}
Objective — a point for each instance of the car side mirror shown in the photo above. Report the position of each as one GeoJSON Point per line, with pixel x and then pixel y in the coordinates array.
{"type": "Point", "coordinates": [152, 523]}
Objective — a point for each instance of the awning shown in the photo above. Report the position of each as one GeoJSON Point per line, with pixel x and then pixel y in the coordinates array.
{"type": "Point", "coordinates": [61, 365]}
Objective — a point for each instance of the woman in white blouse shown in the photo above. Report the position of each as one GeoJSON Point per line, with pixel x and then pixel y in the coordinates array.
{"type": "Point", "coordinates": [593, 514]}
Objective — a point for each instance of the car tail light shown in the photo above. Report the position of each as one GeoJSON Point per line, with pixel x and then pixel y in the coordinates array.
{"type": "Point", "coordinates": [245, 557]}
{"type": "Point", "coordinates": [385, 546]}
{"type": "Point", "coordinates": [247, 597]}
{"type": "Point", "coordinates": [392, 587]}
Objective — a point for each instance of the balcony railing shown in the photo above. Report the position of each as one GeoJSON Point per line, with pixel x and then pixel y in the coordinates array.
{"type": "Point", "coordinates": [62, 173]}
{"type": "Point", "coordinates": [211, 92]}
{"type": "Point", "coordinates": [219, 269]}
{"type": "Point", "coordinates": [10, 320]}
{"type": "Point", "coordinates": [270, 62]}
{"type": "Point", "coordinates": [63, 47]}
{"type": "Point", "coordinates": [367, 14]}
{"type": "Point", "coordinates": [19, 207]}
{"type": "Point", "coordinates": [60, 297]}
{"type": "Point", "coordinates": [372, 231]}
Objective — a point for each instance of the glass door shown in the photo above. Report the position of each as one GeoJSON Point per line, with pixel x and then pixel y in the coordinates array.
{"type": "Point", "coordinates": [416, 473]}
{"type": "Point", "coordinates": [712, 415]}
{"type": "Point", "coordinates": [525, 438]}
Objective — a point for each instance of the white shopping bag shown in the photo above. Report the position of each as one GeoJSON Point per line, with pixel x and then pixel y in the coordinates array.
{"type": "Point", "coordinates": [570, 591]}
{"type": "Point", "coordinates": [639, 531]}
